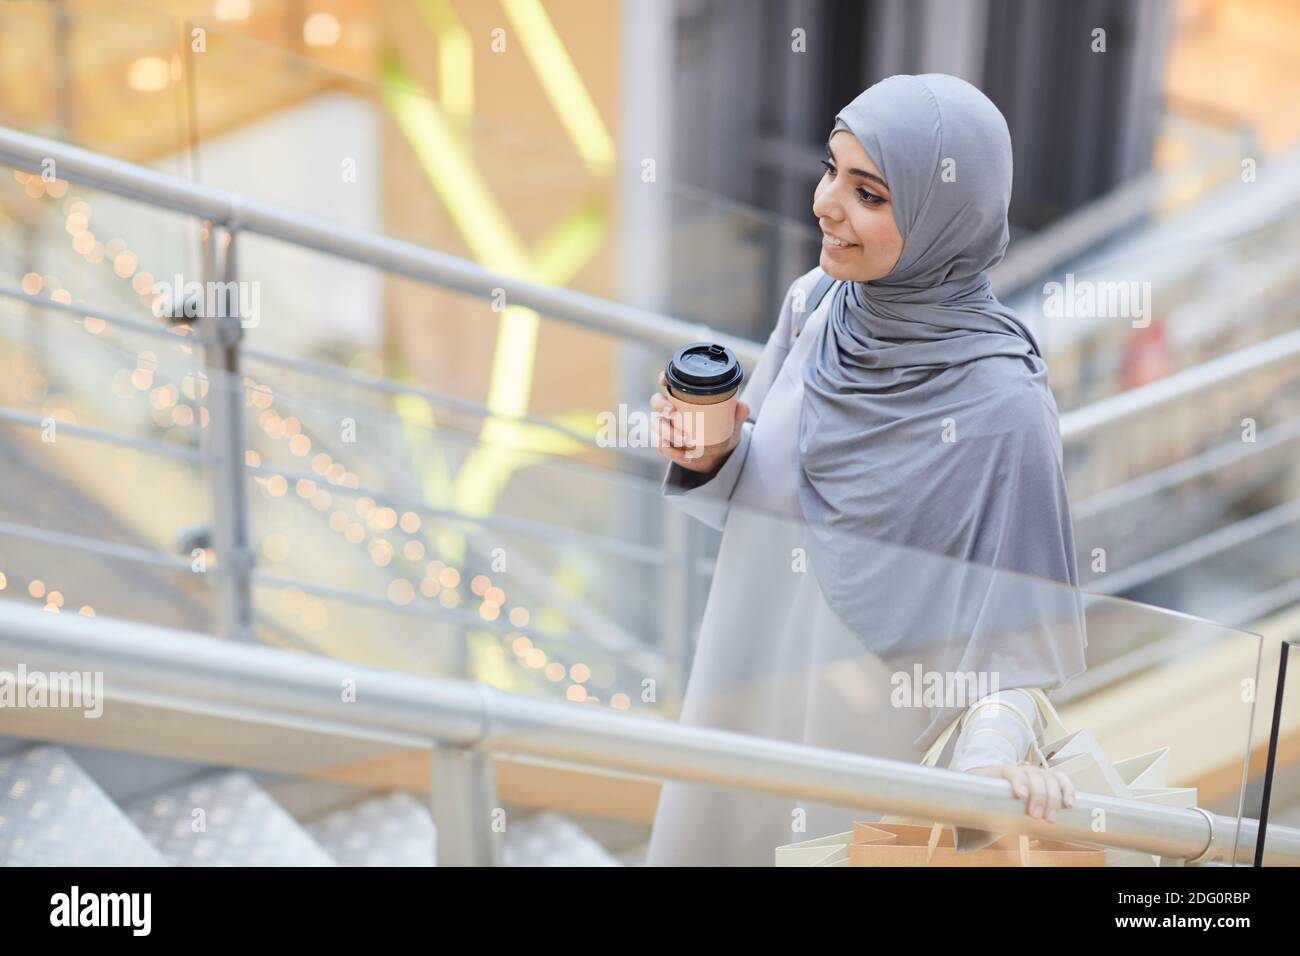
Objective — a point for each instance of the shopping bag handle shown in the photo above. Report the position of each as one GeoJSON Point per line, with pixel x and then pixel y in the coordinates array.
{"type": "Point", "coordinates": [1053, 729]}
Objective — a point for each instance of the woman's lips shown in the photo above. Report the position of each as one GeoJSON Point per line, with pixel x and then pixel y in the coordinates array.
{"type": "Point", "coordinates": [835, 244]}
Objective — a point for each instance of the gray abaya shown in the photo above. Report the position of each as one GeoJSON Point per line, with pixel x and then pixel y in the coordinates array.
{"type": "Point", "coordinates": [897, 502]}
{"type": "Point", "coordinates": [774, 660]}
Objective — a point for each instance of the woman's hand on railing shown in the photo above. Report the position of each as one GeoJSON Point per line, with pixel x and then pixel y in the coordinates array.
{"type": "Point", "coordinates": [672, 442]}
{"type": "Point", "coordinates": [1044, 790]}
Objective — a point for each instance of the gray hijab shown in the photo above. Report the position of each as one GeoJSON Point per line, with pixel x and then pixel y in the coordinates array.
{"type": "Point", "coordinates": [927, 421]}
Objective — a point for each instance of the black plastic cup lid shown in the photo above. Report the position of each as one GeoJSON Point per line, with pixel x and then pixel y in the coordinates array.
{"type": "Point", "coordinates": [704, 369]}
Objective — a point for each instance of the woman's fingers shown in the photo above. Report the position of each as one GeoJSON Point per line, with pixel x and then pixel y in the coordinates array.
{"type": "Point", "coordinates": [742, 412]}
{"type": "Point", "coordinates": [1053, 795]}
{"type": "Point", "coordinates": [673, 442]}
{"type": "Point", "coordinates": [669, 449]}
{"type": "Point", "coordinates": [673, 439]}
{"type": "Point", "coordinates": [1067, 788]}
{"type": "Point", "coordinates": [668, 424]}
{"type": "Point", "coordinates": [662, 404]}
{"type": "Point", "coordinates": [1019, 780]}
{"type": "Point", "coordinates": [670, 434]}
{"type": "Point", "coordinates": [686, 456]}
{"type": "Point", "coordinates": [1037, 794]}
{"type": "Point", "coordinates": [1044, 791]}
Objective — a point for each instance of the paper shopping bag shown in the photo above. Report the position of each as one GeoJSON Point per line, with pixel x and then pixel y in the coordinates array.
{"type": "Point", "coordinates": [824, 851]}
{"type": "Point", "coordinates": [1140, 777]}
{"type": "Point", "coordinates": [902, 844]}
{"type": "Point", "coordinates": [1180, 798]}
{"type": "Point", "coordinates": [1096, 775]}
{"type": "Point", "coordinates": [1150, 769]}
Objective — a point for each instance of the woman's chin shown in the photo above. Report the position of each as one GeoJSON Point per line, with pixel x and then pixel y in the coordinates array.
{"type": "Point", "coordinates": [833, 267]}
{"type": "Point", "coordinates": [841, 271]}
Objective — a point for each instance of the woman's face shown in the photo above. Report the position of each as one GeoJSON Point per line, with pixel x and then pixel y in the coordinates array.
{"type": "Point", "coordinates": [852, 204]}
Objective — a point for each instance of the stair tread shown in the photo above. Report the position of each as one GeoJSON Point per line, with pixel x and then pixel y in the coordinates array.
{"type": "Point", "coordinates": [241, 825]}
{"type": "Point", "coordinates": [53, 814]}
{"type": "Point", "coordinates": [397, 830]}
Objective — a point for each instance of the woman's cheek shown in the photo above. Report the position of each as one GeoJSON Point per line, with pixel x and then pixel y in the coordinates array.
{"type": "Point", "coordinates": [881, 247]}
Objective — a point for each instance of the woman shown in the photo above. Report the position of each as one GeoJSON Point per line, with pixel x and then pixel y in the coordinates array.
{"type": "Point", "coordinates": [902, 437]}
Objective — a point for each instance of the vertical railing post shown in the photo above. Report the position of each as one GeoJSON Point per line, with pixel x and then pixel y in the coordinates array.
{"type": "Point", "coordinates": [222, 336]}
{"type": "Point", "coordinates": [464, 801]}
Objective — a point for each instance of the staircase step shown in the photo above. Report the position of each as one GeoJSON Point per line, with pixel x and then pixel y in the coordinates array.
{"type": "Point", "coordinates": [397, 830]}
{"type": "Point", "coordinates": [53, 814]}
{"type": "Point", "coordinates": [392, 830]}
{"type": "Point", "coordinates": [242, 825]}
{"type": "Point", "coordinates": [548, 839]}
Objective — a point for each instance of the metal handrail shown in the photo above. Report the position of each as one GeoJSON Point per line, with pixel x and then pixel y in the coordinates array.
{"type": "Point", "coordinates": [1198, 549]}
{"type": "Point", "coordinates": [1084, 422]}
{"type": "Point", "coordinates": [1186, 470]}
{"type": "Point", "coordinates": [109, 549]}
{"type": "Point", "coordinates": [152, 446]}
{"type": "Point", "coordinates": [176, 669]}
{"type": "Point", "coordinates": [245, 214]}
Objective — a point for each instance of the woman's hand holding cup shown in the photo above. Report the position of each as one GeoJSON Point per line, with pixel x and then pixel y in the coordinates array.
{"type": "Point", "coordinates": [673, 440]}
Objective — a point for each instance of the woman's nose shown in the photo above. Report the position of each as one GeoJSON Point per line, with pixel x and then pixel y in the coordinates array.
{"type": "Point", "coordinates": [824, 206]}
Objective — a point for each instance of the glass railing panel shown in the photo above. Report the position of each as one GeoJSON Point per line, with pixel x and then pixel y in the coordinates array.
{"type": "Point", "coordinates": [106, 496]}
{"type": "Point", "coordinates": [489, 539]}
{"type": "Point", "coordinates": [78, 244]}
{"type": "Point", "coordinates": [109, 499]}
{"type": "Point", "coordinates": [868, 647]}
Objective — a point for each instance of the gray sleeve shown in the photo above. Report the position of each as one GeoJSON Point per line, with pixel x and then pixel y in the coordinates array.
{"type": "Point", "coordinates": [1007, 742]}
{"type": "Point", "coordinates": [708, 499]}
{"type": "Point", "coordinates": [764, 374]}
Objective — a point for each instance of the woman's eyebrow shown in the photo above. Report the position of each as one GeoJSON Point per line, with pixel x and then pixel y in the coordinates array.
{"type": "Point", "coordinates": [857, 172]}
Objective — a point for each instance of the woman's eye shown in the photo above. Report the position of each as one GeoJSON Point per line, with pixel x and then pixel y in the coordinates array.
{"type": "Point", "coordinates": [868, 198]}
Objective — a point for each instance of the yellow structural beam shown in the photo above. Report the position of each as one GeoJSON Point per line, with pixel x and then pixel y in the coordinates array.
{"type": "Point", "coordinates": [455, 57]}
{"type": "Point", "coordinates": [560, 81]}
{"type": "Point", "coordinates": [506, 442]}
